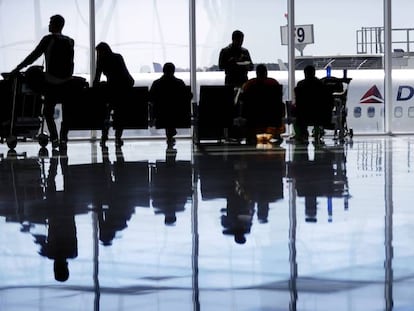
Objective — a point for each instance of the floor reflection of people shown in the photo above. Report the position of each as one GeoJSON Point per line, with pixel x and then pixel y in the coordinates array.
{"type": "Point", "coordinates": [248, 182]}
{"type": "Point", "coordinates": [324, 176]}
{"type": "Point", "coordinates": [128, 188]}
{"type": "Point", "coordinates": [60, 243]}
{"type": "Point", "coordinates": [171, 186]}
{"type": "Point", "coordinates": [238, 216]}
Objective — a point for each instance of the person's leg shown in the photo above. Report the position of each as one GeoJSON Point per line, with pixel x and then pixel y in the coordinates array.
{"type": "Point", "coordinates": [117, 126]}
{"type": "Point", "coordinates": [63, 135]}
{"type": "Point", "coordinates": [301, 131]}
{"type": "Point", "coordinates": [119, 98]}
{"type": "Point", "coordinates": [105, 125]}
{"type": "Point", "coordinates": [170, 132]}
{"type": "Point", "coordinates": [251, 138]}
{"type": "Point", "coordinates": [49, 115]}
{"type": "Point", "coordinates": [118, 137]}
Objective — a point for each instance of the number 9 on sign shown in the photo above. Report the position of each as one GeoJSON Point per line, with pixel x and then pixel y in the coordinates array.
{"type": "Point", "coordinates": [303, 34]}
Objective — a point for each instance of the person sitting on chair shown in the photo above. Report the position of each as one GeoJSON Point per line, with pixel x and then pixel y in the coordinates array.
{"type": "Point", "coordinates": [170, 100]}
{"type": "Point", "coordinates": [313, 106]}
{"type": "Point", "coordinates": [263, 107]}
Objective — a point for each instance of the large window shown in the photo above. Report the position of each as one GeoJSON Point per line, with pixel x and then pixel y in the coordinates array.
{"type": "Point", "coordinates": [23, 23]}
{"type": "Point", "coordinates": [149, 33]}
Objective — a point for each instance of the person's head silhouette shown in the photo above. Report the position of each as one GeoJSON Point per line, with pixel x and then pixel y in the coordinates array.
{"type": "Point", "coordinates": [169, 69]}
{"type": "Point", "coordinates": [61, 269]}
{"type": "Point", "coordinates": [170, 220]}
{"type": "Point", "coordinates": [239, 237]}
{"type": "Point", "coordinates": [237, 38]}
{"type": "Point", "coordinates": [309, 71]}
{"type": "Point", "coordinates": [261, 71]}
{"type": "Point", "coordinates": [103, 49]}
{"type": "Point", "coordinates": [56, 23]}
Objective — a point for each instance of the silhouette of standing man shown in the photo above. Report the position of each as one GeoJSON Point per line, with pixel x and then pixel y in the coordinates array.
{"type": "Point", "coordinates": [58, 50]}
{"type": "Point", "coordinates": [235, 60]}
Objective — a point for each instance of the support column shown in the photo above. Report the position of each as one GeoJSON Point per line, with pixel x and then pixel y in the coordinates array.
{"type": "Point", "coordinates": [388, 67]}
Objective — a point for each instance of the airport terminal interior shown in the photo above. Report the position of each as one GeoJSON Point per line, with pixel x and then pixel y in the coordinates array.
{"type": "Point", "coordinates": [208, 226]}
{"type": "Point", "coordinates": [212, 225]}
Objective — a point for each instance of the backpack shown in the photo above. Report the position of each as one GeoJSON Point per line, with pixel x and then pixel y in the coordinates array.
{"type": "Point", "coordinates": [59, 57]}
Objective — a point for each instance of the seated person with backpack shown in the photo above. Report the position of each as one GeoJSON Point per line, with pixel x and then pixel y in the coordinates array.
{"type": "Point", "coordinates": [313, 106]}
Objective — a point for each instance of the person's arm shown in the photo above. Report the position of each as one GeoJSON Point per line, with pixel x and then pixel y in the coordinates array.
{"type": "Point", "coordinates": [248, 59]}
{"type": "Point", "coordinates": [221, 62]}
{"type": "Point", "coordinates": [34, 55]}
{"type": "Point", "coordinates": [225, 60]}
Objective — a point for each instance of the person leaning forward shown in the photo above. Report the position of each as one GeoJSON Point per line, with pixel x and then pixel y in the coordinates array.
{"type": "Point", "coordinates": [119, 83]}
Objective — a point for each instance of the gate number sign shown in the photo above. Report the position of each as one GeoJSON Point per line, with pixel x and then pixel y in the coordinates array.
{"type": "Point", "coordinates": [303, 34]}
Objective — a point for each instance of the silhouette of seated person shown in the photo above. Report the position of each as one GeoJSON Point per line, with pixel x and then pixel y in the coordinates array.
{"type": "Point", "coordinates": [170, 103]}
{"type": "Point", "coordinates": [263, 107]}
{"type": "Point", "coordinates": [58, 50]}
{"type": "Point", "coordinates": [115, 91]}
{"type": "Point", "coordinates": [313, 106]}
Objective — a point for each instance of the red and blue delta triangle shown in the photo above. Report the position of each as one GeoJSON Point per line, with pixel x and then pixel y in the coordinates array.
{"type": "Point", "coordinates": [372, 96]}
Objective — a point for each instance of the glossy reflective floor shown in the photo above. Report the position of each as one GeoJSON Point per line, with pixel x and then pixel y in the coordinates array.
{"type": "Point", "coordinates": [219, 228]}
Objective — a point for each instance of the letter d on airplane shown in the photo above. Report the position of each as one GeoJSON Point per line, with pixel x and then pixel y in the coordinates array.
{"type": "Point", "coordinates": [405, 92]}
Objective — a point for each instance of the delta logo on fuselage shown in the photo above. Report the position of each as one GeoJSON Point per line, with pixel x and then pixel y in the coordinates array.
{"type": "Point", "coordinates": [374, 96]}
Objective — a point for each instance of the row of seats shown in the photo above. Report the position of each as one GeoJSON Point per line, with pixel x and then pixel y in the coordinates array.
{"type": "Point", "coordinates": [214, 112]}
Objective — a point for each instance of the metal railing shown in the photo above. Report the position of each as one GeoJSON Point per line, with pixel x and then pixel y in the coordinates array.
{"type": "Point", "coordinates": [370, 40]}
